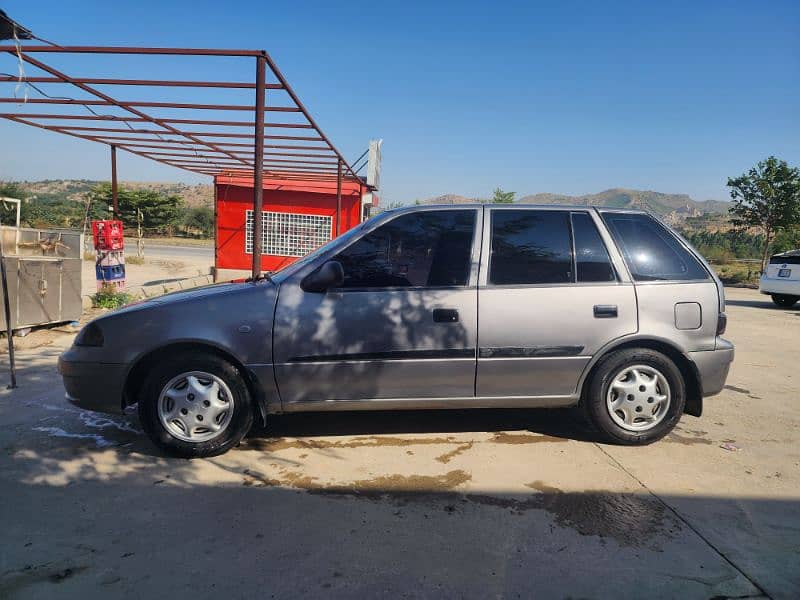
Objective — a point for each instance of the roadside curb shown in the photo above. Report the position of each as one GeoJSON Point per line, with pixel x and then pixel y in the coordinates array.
{"type": "Point", "coordinates": [159, 289]}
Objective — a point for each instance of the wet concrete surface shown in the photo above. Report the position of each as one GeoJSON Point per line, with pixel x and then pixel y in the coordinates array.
{"type": "Point", "coordinates": [453, 504]}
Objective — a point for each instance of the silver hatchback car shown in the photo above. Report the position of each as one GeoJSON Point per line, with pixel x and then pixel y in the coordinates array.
{"type": "Point", "coordinates": [427, 307]}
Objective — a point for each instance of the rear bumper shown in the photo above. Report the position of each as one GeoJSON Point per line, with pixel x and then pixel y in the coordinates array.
{"type": "Point", "coordinates": [769, 285]}
{"type": "Point", "coordinates": [92, 385]}
{"type": "Point", "coordinates": [713, 366]}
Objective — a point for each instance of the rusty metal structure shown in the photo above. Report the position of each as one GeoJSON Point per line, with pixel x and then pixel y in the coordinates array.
{"type": "Point", "coordinates": [203, 139]}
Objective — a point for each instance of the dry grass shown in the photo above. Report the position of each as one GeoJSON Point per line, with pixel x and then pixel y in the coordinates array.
{"type": "Point", "coordinates": [737, 273]}
{"type": "Point", "coordinates": [130, 242]}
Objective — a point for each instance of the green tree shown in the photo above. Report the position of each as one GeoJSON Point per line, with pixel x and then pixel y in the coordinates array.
{"type": "Point", "coordinates": [767, 197]}
{"type": "Point", "coordinates": [199, 219]}
{"type": "Point", "coordinates": [787, 239]}
{"type": "Point", "coordinates": [161, 213]}
{"type": "Point", "coordinates": [11, 189]}
{"type": "Point", "coordinates": [8, 212]}
{"type": "Point", "coordinates": [501, 197]}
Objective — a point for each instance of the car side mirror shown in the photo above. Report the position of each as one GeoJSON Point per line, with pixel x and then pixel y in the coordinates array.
{"type": "Point", "coordinates": [329, 275]}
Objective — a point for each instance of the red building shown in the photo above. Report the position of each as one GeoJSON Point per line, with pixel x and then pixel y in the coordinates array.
{"type": "Point", "coordinates": [299, 215]}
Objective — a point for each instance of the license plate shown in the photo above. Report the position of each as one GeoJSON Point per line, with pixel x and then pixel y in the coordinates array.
{"type": "Point", "coordinates": [784, 272]}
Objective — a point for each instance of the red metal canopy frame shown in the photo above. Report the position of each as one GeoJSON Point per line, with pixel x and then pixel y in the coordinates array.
{"type": "Point", "coordinates": [197, 143]}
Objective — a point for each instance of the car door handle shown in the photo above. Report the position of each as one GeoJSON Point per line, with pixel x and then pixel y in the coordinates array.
{"type": "Point", "coordinates": [605, 311]}
{"type": "Point", "coordinates": [445, 315]}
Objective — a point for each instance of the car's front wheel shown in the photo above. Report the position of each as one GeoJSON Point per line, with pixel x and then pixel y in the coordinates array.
{"type": "Point", "coordinates": [635, 396]}
{"type": "Point", "coordinates": [784, 300]}
{"type": "Point", "coordinates": [195, 405]}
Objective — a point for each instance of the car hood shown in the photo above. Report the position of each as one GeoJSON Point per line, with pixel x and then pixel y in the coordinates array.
{"type": "Point", "coordinates": [207, 291]}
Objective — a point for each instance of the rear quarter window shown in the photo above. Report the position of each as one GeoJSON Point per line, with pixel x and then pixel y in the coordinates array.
{"type": "Point", "coordinates": [651, 251]}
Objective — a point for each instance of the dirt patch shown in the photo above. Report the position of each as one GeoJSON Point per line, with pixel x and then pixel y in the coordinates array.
{"type": "Point", "coordinates": [448, 456]}
{"type": "Point", "coordinates": [277, 444]}
{"type": "Point", "coordinates": [541, 486]}
{"type": "Point", "coordinates": [502, 437]}
{"type": "Point", "coordinates": [384, 484]}
{"type": "Point", "coordinates": [412, 483]}
{"type": "Point", "coordinates": [171, 266]}
{"type": "Point", "coordinates": [285, 478]}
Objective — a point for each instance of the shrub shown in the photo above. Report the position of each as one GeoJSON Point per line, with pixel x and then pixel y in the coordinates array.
{"type": "Point", "coordinates": [109, 297]}
{"type": "Point", "coordinates": [716, 254]}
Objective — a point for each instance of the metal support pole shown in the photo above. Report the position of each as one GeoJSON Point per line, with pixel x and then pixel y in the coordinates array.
{"type": "Point", "coordinates": [114, 202]}
{"type": "Point", "coordinates": [258, 163]}
{"type": "Point", "coordinates": [339, 199]}
{"type": "Point", "coordinates": [12, 367]}
{"type": "Point", "coordinates": [360, 203]}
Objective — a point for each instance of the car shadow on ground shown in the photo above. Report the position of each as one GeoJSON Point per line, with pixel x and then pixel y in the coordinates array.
{"type": "Point", "coordinates": [560, 423]}
{"type": "Point", "coordinates": [767, 303]}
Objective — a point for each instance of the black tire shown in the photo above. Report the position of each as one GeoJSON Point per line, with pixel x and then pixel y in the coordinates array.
{"type": "Point", "coordinates": [594, 397]}
{"type": "Point", "coordinates": [163, 372]}
{"type": "Point", "coordinates": [784, 300]}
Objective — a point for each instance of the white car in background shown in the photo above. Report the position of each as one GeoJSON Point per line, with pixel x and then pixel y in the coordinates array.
{"type": "Point", "coordinates": [781, 280]}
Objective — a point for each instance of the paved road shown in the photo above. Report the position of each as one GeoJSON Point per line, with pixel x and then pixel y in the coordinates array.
{"type": "Point", "coordinates": [417, 504]}
{"type": "Point", "coordinates": [177, 252]}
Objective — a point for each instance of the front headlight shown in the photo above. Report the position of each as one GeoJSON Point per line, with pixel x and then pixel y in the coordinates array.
{"type": "Point", "coordinates": [91, 335]}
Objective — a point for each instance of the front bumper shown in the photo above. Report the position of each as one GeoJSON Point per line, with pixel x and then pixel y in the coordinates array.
{"type": "Point", "coordinates": [713, 366]}
{"type": "Point", "coordinates": [92, 385]}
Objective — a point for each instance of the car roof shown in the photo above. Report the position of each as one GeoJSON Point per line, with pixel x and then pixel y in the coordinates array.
{"type": "Point", "coordinates": [787, 253]}
{"type": "Point", "coordinates": [515, 205]}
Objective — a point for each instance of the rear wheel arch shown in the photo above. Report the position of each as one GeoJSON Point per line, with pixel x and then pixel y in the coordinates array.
{"type": "Point", "coordinates": [136, 376]}
{"type": "Point", "coordinates": [691, 376]}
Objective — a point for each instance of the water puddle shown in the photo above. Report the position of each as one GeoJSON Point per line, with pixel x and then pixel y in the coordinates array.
{"type": "Point", "coordinates": [98, 439]}
{"type": "Point", "coordinates": [629, 519]}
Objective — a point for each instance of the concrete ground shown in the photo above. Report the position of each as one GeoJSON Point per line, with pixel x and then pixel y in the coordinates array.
{"type": "Point", "coordinates": [438, 504]}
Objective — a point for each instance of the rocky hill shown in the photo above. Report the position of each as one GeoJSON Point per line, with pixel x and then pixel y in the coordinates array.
{"type": "Point", "coordinates": [450, 199]}
{"type": "Point", "coordinates": [674, 208]}
{"type": "Point", "coordinates": [73, 189]}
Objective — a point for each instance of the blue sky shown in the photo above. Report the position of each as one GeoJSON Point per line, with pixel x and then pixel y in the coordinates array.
{"type": "Point", "coordinates": [562, 97]}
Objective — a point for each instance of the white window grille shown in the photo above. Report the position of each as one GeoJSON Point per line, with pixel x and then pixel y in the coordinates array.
{"type": "Point", "coordinates": [288, 234]}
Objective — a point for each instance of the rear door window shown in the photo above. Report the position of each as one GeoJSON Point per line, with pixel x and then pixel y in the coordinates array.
{"type": "Point", "coordinates": [530, 247]}
{"type": "Point", "coordinates": [651, 251]}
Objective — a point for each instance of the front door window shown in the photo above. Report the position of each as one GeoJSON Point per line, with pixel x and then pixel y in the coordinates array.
{"type": "Point", "coordinates": [418, 250]}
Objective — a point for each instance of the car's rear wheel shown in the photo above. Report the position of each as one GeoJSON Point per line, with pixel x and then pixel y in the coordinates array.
{"type": "Point", "coordinates": [195, 404]}
{"type": "Point", "coordinates": [635, 396]}
{"type": "Point", "coordinates": [784, 300]}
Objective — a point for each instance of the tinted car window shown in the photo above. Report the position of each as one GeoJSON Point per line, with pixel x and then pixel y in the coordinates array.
{"type": "Point", "coordinates": [651, 251]}
{"type": "Point", "coordinates": [592, 262]}
{"type": "Point", "coordinates": [789, 258]}
{"type": "Point", "coordinates": [530, 246]}
{"type": "Point", "coordinates": [422, 249]}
